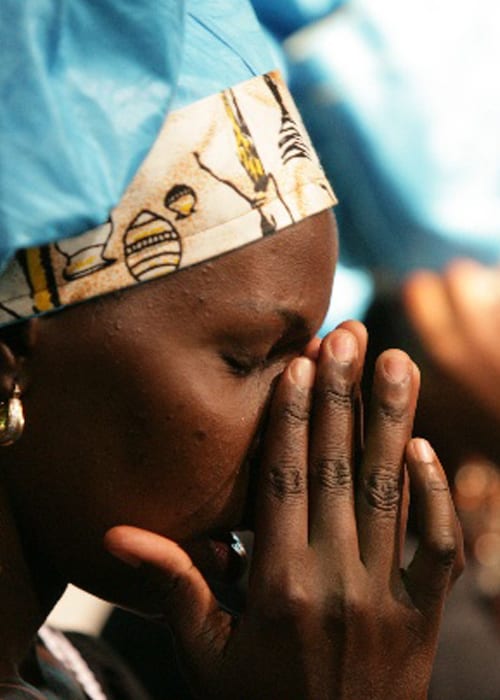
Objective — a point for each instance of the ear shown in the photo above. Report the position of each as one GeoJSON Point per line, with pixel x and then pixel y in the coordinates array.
{"type": "Point", "coordinates": [16, 345]}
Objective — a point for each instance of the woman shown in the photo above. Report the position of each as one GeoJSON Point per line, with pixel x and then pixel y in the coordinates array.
{"type": "Point", "coordinates": [169, 409]}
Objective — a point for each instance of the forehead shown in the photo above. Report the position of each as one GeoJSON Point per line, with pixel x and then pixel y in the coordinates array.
{"type": "Point", "coordinates": [290, 272]}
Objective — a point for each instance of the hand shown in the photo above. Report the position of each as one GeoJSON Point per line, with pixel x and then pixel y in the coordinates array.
{"type": "Point", "coordinates": [457, 318]}
{"type": "Point", "coordinates": [329, 612]}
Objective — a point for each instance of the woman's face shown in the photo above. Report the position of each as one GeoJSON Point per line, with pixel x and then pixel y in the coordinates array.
{"type": "Point", "coordinates": [143, 407]}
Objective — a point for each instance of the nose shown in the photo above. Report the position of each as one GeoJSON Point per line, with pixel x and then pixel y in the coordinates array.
{"type": "Point", "coordinates": [253, 459]}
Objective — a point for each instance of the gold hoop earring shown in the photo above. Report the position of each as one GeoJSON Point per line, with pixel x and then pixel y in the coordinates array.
{"type": "Point", "coordinates": [11, 418]}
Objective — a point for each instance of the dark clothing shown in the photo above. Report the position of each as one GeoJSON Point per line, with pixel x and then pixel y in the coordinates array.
{"type": "Point", "coordinates": [93, 672]}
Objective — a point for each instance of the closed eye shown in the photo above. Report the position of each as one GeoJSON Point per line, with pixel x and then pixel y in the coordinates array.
{"type": "Point", "coordinates": [243, 363]}
{"type": "Point", "coordinates": [243, 366]}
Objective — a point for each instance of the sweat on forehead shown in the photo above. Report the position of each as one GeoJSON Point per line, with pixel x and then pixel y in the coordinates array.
{"type": "Point", "coordinates": [224, 171]}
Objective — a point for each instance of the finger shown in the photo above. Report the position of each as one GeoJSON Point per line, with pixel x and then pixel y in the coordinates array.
{"type": "Point", "coordinates": [379, 492]}
{"type": "Point", "coordinates": [187, 604]}
{"type": "Point", "coordinates": [359, 330]}
{"type": "Point", "coordinates": [312, 348]}
{"type": "Point", "coordinates": [331, 500]}
{"type": "Point", "coordinates": [454, 325]}
{"type": "Point", "coordinates": [282, 508]}
{"type": "Point", "coordinates": [432, 315]}
{"type": "Point", "coordinates": [439, 558]}
{"type": "Point", "coordinates": [474, 293]}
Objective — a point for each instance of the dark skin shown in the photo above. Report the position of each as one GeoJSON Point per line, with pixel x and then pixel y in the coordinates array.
{"type": "Point", "coordinates": [142, 415]}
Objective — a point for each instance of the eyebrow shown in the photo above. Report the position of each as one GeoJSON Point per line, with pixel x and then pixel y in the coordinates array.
{"type": "Point", "coordinates": [292, 319]}
{"type": "Point", "coordinates": [297, 331]}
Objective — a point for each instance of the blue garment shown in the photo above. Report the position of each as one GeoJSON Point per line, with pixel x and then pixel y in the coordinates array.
{"type": "Point", "coordinates": [223, 45]}
{"type": "Point", "coordinates": [283, 17]}
{"type": "Point", "coordinates": [84, 88]}
{"type": "Point", "coordinates": [404, 112]}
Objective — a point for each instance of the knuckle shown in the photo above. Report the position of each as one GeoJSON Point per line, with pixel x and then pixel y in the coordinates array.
{"type": "Point", "coordinates": [285, 481]}
{"type": "Point", "coordinates": [394, 412]}
{"type": "Point", "coordinates": [294, 414]}
{"type": "Point", "coordinates": [295, 602]}
{"type": "Point", "coordinates": [352, 608]}
{"type": "Point", "coordinates": [286, 600]}
{"type": "Point", "coordinates": [336, 396]}
{"type": "Point", "coordinates": [445, 551]}
{"type": "Point", "coordinates": [333, 475]}
{"type": "Point", "coordinates": [382, 489]}
{"type": "Point", "coordinates": [436, 487]}
{"type": "Point", "coordinates": [348, 606]}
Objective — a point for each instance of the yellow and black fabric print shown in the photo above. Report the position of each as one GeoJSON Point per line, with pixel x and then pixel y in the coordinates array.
{"type": "Point", "coordinates": [152, 246]}
{"type": "Point", "coordinates": [247, 152]}
{"type": "Point", "coordinates": [37, 266]}
{"type": "Point", "coordinates": [86, 255]}
{"type": "Point", "coordinates": [181, 199]}
{"type": "Point", "coordinates": [264, 184]}
{"type": "Point", "coordinates": [291, 142]}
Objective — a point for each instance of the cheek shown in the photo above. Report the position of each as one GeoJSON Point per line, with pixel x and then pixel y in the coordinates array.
{"type": "Point", "coordinates": [163, 446]}
{"type": "Point", "coordinates": [194, 446]}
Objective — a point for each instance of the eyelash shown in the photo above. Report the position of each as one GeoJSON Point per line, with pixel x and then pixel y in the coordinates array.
{"type": "Point", "coordinates": [243, 367]}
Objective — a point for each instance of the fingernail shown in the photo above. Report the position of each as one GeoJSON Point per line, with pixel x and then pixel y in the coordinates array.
{"type": "Point", "coordinates": [342, 345]}
{"type": "Point", "coordinates": [423, 450]}
{"type": "Point", "coordinates": [125, 557]}
{"type": "Point", "coordinates": [302, 372]}
{"type": "Point", "coordinates": [396, 367]}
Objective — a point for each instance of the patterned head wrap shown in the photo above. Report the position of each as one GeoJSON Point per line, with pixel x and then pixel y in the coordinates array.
{"type": "Point", "coordinates": [224, 170]}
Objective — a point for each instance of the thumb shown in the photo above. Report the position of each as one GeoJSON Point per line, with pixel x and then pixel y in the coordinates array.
{"type": "Point", "coordinates": [189, 607]}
